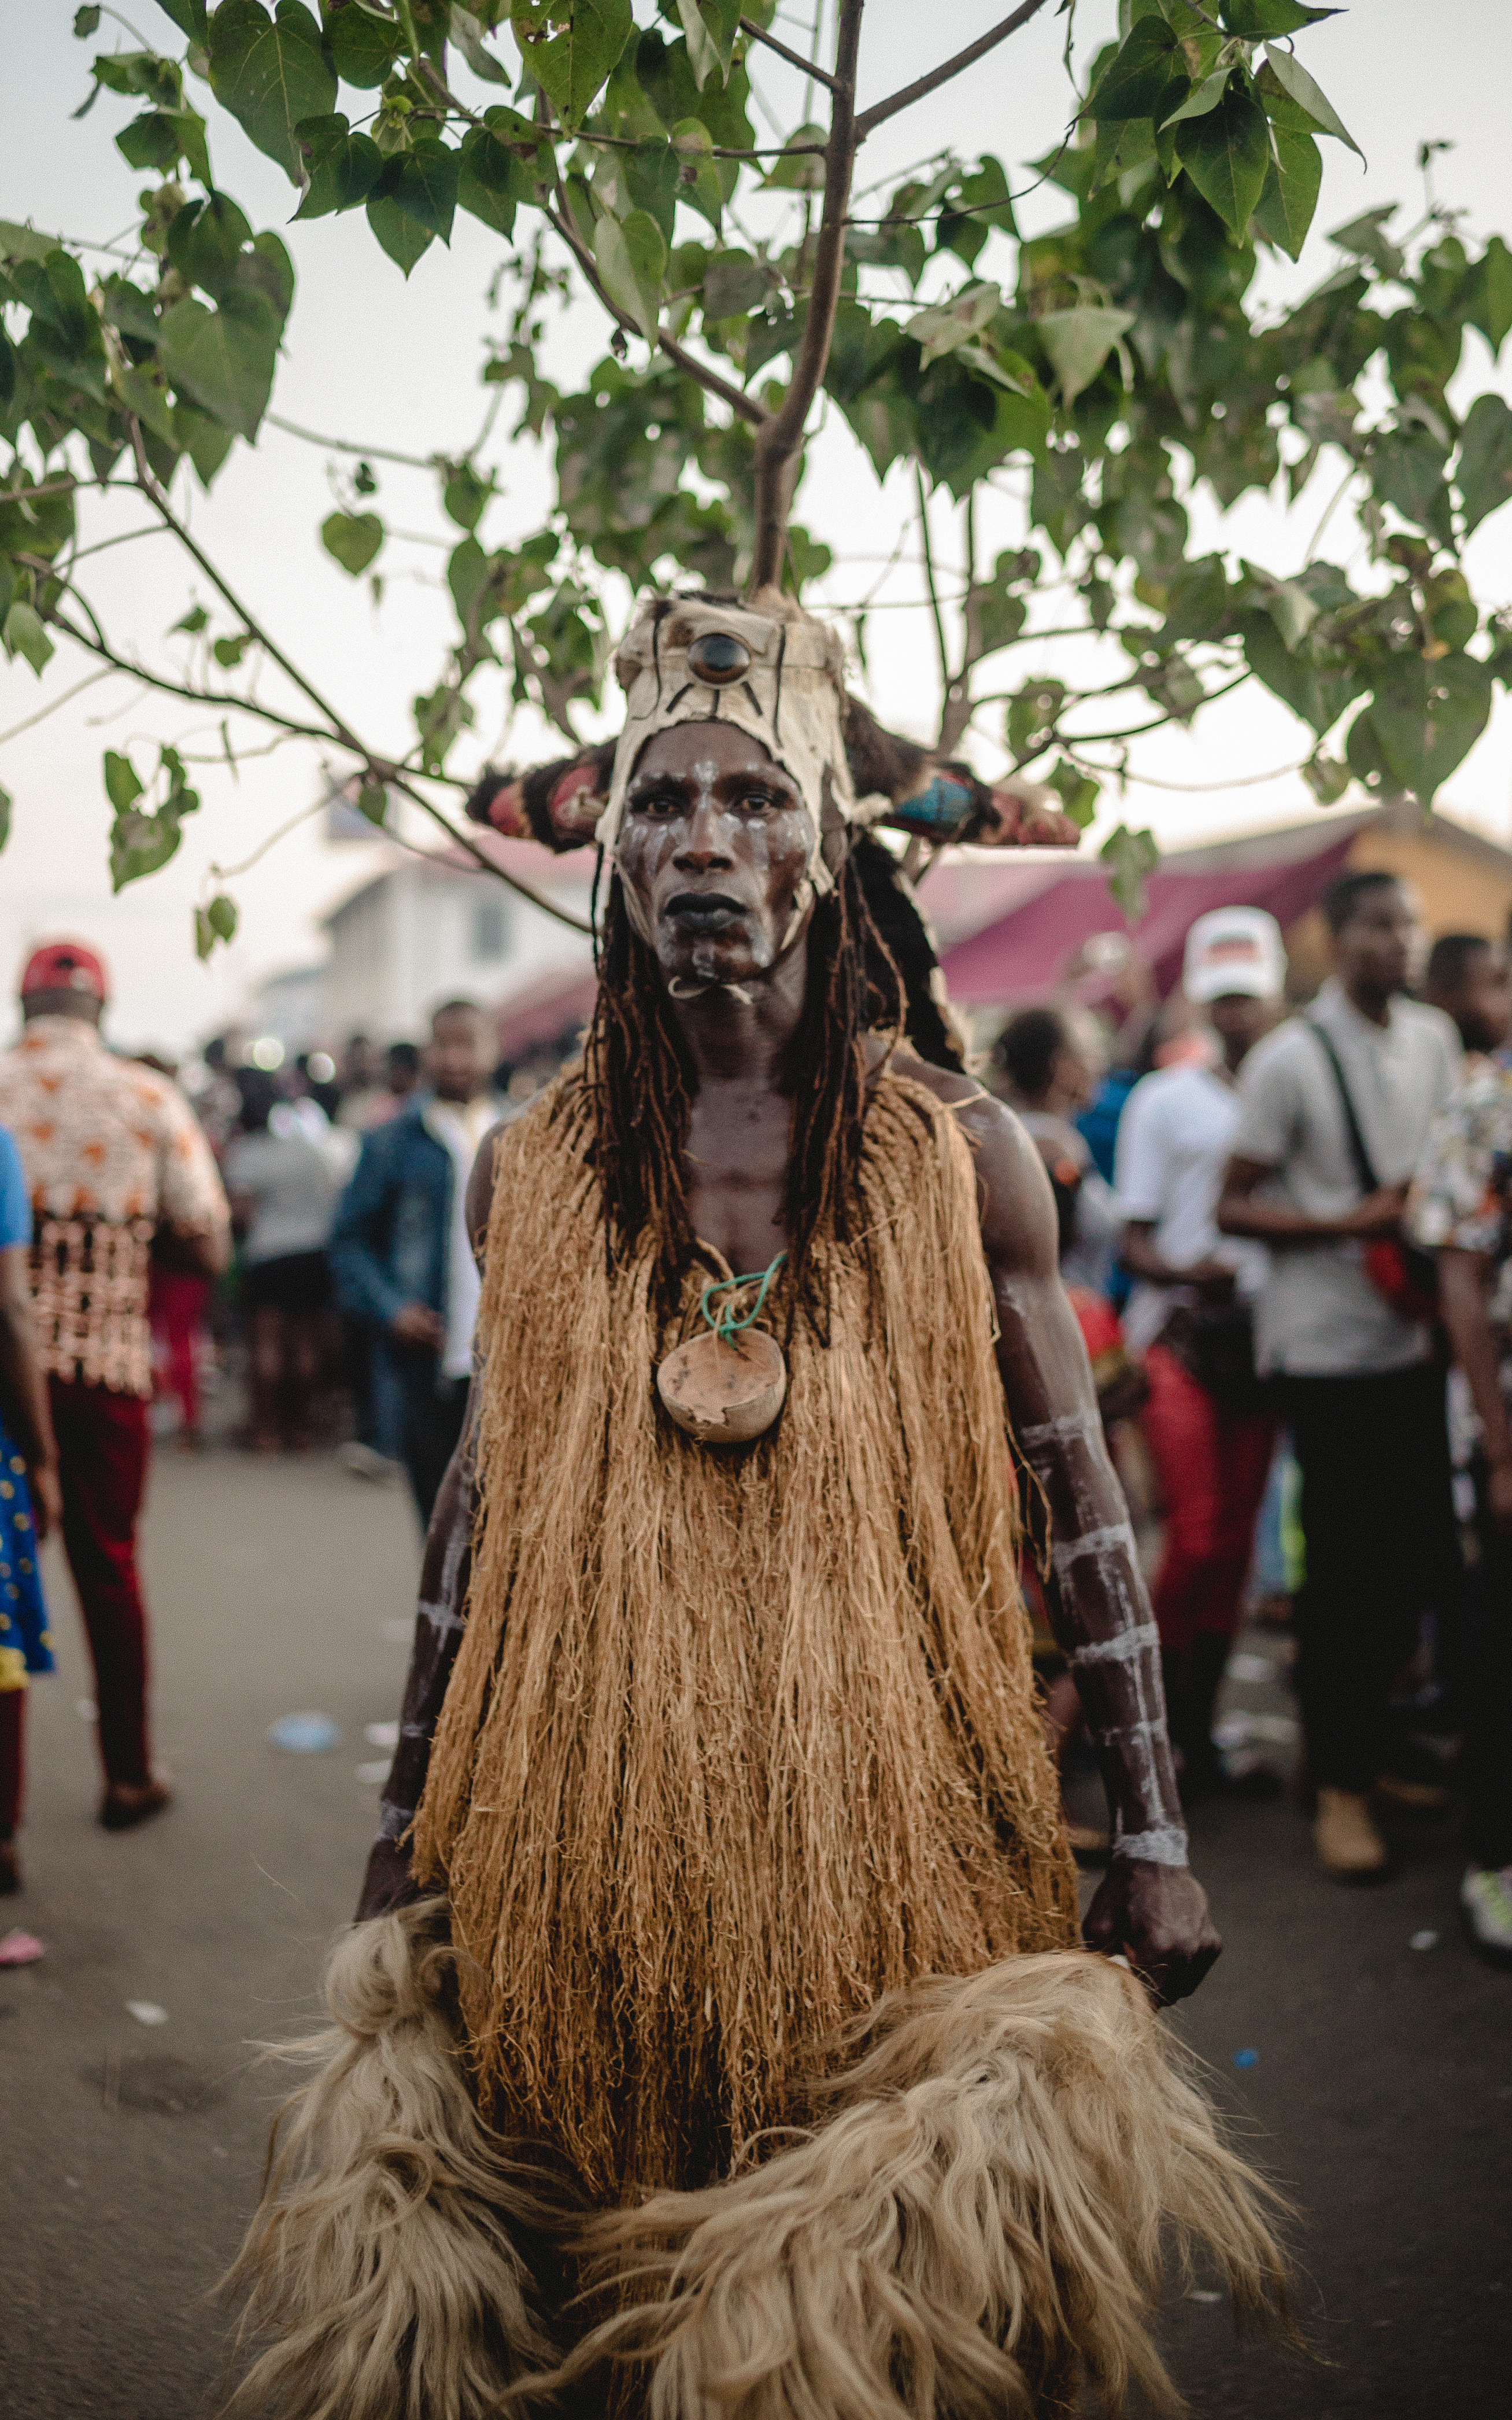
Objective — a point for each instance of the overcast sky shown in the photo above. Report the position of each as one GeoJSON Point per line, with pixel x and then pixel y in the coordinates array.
{"type": "Point", "coordinates": [395, 366]}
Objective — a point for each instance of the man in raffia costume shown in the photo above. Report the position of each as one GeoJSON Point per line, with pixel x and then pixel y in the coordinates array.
{"type": "Point", "coordinates": [719, 1948]}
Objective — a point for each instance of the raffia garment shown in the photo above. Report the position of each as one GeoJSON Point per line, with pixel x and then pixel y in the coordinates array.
{"type": "Point", "coordinates": [736, 1740]}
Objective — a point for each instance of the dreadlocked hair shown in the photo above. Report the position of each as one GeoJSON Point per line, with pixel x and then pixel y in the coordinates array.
{"type": "Point", "coordinates": [641, 1080]}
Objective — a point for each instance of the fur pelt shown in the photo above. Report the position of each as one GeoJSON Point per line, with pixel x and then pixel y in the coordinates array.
{"type": "Point", "coordinates": [973, 2232]}
{"type": "Point", "coordinates": [736, 1740]}
{"type": "Point", "coordinates": [389, 2251]}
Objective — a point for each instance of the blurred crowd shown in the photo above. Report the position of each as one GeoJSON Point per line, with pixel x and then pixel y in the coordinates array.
{"type": "Point", "coordinates": [1286, 1238]}
{"type": "Point", "coordinates": [1285, 1229]}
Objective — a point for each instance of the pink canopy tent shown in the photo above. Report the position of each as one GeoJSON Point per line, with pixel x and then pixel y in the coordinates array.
{"type": "Point", "coordinates": [1024, 953]}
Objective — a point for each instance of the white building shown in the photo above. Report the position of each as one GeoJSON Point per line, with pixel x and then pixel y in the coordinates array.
{"type": "Point", "coordinates": [434, 927]}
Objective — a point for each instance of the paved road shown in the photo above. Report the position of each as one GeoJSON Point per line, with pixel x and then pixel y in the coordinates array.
{"type": "Point", "coordinates": [130, 2155]}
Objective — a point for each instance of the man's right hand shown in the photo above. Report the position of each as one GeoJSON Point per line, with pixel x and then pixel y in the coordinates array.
{"type": "Point", "coordinates": [415, 1322]}
{"type": "Point", "coordinates": [1378, 1215]}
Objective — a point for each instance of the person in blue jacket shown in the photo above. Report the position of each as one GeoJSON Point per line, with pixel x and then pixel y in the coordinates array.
{"type": "Point", "coordinates": [399, 1250]}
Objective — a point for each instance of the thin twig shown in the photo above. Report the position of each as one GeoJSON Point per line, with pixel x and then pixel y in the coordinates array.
{"type": "Point", "coordinates": [794, 58]}
{"type": "Point", "coordinates": [929, 583]}
{"type": "Point", "coordinates": [344, 445]}
{"type": "Point", "coordinates": [739, 402]}
{"type": "Point", "coordinates": [877, 116]}
{"type": "Point", "coordinates": [779, 441]}
{"type": "Point", "coordinates": [43, 711]}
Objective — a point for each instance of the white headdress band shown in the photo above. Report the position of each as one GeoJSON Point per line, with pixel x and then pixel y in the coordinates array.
{"type": "Point", "coordinates": [779, 676]}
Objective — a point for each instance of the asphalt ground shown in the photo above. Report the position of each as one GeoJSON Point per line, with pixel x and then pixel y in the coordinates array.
{"type": "Point", "coordinates": [1379, 2091]}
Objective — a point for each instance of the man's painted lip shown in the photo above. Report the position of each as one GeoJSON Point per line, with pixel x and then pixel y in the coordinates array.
{"type": "Point", "coordinates": [708, 911]}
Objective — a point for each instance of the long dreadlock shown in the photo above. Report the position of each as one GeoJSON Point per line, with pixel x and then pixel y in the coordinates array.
{"type": "Point", "coordinates": [641, 1081]}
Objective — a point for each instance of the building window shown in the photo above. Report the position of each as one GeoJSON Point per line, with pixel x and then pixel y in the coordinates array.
{"type": "Point", "coordinates": [488, 928]}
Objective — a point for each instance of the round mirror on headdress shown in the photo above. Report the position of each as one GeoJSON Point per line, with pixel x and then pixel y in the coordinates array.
{"type": "Point", "coordinates": [718, 657]}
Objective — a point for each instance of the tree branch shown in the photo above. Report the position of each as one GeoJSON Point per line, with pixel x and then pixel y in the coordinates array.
{"type": "Point", "coordinates": [778, 440]}
{"type": "Point", "coordinates": [794, 58]}
{"type": "Point", "coordinates": [344, 445]}
{"type": "Point", "coordinates": [872, 118]}
{"type": "Point", "coordinates": [745, 406]}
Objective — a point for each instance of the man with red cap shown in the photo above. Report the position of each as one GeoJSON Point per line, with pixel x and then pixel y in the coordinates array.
{"type": "Point", "coordinates": [118, 1173]}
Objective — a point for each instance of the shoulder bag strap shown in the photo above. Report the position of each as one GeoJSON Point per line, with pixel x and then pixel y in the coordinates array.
{"type": "Point", "coordinates": [1364, 1168]}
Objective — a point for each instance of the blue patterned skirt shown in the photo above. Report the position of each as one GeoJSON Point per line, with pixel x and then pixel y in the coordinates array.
{"type": "Point", "coordinates": [25, 1643]}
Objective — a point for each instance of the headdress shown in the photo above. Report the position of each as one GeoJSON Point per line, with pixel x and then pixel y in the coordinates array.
{"type": "Point", "coordinates": [772, 670]}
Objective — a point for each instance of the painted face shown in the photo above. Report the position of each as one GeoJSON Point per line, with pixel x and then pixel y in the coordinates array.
{"type": "Point", "coordinates": [714, 849]}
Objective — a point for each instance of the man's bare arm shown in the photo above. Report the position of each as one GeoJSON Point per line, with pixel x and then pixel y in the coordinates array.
{"type": "Point", "coordinates": [1240, 1211]}
{"type": "Point", "coordinates": [1148, 1904]}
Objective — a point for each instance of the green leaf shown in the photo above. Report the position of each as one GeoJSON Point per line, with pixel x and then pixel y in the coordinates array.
{"type": "Point", "coordinates": [1366, 238]}
{"type": "Point", "coordinates": [26, 636]}
{"type": "Point", "coordinates": [24, 242]}
{"type": "Point", "coordinates": [1426, 717]}
{"type": "Point", "coordinates": [7, 802]}
{"type": "Point", "coordinates": [631, 261]}
{"type": "Point", "coordinates": [189, 16]}
{"type": "Point", "coordinates": [221, 917]}
{"type": "Point", "coordinates": [1302, 91]}
{"type": "Point", "coordinates": [945, 326]}
{"type": "Point", "coordinates": [343, 167]}
{"type": "Point", "coordinates": [224, 360]}
{"type": "Point", "coordinates": [1291, 606]}
{"type": "Point", "coordinates": [1484, 476]}
{"type": "Point", "coordinates": [1079, 342]}
{"type": "Point", "coordinates": [85, 21]}
{"type": "Point", "coordinates": [572, 63]}
{"type": "Point", "coordinates": [1407, 468]}
{"type": "Point", "coordinates": [362, 48]}
{"type": "Point", "coordinates": [270, 72]}
{"type": "Point", "coordinates": [800, 171]}
{"type": "Point", "coordinates": [1255, 20]}
{"type": "Point", "coordinates": [709, 27]}
{"type": "Point", "coordinates": [122, 787]}
{"type": "Point", "coordinates": [1135, 82]}
{"type": "Point", "coordinates": [1290, 195]}
{"type": "Point", "coordinates": [402, 237]}
{"type": "Point", "coordinates": [1227, 154]}
{"type": "Point", "coordinates": [1079, 793]}
{"type": "Point", "coordinates": [352, 539]}
{"type": "Point", "coordinates": [373, 802]}
{"type": "Point", "coordinates": [193, 622]}
{"type": "Point", "coordinates": [1491, 303]}
{"type": "Point", "coordinates": [465, 495]}
{"type": "Point", "coordinates": [204, 440]}
{"type": "Point", "coordinates": [466, 33]}
{"type": "Point", "coordinates": [206, 240]}
{"type": "Point", "coordinates": [422, 183]}
{"type": "Point", "coordinates": [1326, 778]}
{"type": "Point", "coordinates": [1129, 858]}
{"type": "Point", "coordinates": [1031, 718]}
{"type": "Point", "coordinates": [493, 181]}
{"type": "Point", "coordinates": [977, 205]}
{"type": "Point", "coordinates": [1202, 98]}
{"type": "Point", "coordinates": [229, 652]}
{"type": "Point", "coordinates": [733, 283]}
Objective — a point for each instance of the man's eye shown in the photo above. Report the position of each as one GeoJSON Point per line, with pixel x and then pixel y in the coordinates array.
{"type": "Point", "coordinates": [659, 804]}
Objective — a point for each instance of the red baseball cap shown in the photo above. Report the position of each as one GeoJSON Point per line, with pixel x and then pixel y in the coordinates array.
{"type": "Point", "coordinates": [64, 965]}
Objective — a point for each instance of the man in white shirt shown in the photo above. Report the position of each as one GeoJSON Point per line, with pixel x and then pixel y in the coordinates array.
{"type": "Point", "coordinates": [1190, 1315]}
{"type": "Point", "coordinates": [1336, 1107]}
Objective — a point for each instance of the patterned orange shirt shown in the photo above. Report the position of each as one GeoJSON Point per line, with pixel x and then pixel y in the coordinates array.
{"type": "Point", "coordinates": [111, 1151]}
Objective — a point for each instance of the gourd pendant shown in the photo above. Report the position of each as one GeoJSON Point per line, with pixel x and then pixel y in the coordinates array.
{"type": "Point", "coordinates": [727, 1384]}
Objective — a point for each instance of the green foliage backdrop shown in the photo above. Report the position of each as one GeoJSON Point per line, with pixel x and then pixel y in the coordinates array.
{"type": "Point", "coordinates": [1114, 361]}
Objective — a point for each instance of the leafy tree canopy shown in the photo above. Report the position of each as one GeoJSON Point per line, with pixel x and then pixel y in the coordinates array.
{"type": "Point", "coordinates": [1113, 362]}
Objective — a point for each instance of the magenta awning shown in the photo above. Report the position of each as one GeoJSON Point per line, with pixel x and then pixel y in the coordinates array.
{"type": "Point", "coordinates": [1025, 952]}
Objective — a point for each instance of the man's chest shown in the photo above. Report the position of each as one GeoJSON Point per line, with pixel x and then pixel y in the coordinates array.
{"type": "Point", "coordinates": [736, 1165]}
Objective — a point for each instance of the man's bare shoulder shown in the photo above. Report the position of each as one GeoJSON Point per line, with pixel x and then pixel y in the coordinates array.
{"type": "Point", "coordinates": [1017, 1206]}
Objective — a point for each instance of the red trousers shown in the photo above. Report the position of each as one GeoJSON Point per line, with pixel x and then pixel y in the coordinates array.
{"type": "Point", "coordinates": [102, 1441]}
{"type": "Point", "coordinates": [1212, 1468]}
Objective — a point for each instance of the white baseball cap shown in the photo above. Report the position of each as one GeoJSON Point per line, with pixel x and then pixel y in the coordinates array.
{"type": "Point", "coordinates": [1234, 950]}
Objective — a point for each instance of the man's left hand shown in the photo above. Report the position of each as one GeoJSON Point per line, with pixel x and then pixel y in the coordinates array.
{"type": "Point", "coordinates": [1157, 1915]}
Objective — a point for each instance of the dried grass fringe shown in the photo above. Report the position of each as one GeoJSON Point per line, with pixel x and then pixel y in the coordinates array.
{"type": "Point", "coordinates": [387, 2252]}
{"type": "Point", "coordinates": [974, 2233]}
{"type": "Point", "coordinates": [736, 1742]}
